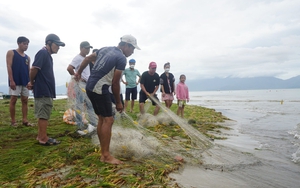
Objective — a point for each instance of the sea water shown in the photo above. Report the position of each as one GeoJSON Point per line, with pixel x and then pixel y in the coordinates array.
{"type": "Point", "coordinates": [268, 126]}
{"type": "Point", "coordinates": [271, 117]}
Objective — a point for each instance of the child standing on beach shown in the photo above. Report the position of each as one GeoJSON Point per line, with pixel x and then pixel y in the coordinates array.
{"type": "Point", "coordinates": [182, 93]}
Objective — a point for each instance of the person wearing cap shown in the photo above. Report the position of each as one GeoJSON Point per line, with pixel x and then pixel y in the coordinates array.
{"type": "Point", "coordinates": [42, 81]}
{"type": "Point", "coordinates": [109, 64]}
{"type": "Point", "coordinates": [18, 66]}
{"type": "Point", "coordinates": [167, 86]}
{"type": "Point", "coordinates": [131, 84]}
{"type": "Point", "coordinates": [149, 86]}
{"type": "Point", "coordinates": [83, 103]}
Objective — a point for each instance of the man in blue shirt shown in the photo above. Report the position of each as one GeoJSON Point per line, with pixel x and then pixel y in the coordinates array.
{"type": "Point", "coordinates": [18, 66]}
{"type": "Point", "coordinates": [131, 84]}
{"type": "Point", "coordinates": [107, 71]}
{"type": "Point", "coordinates": [42, 82]}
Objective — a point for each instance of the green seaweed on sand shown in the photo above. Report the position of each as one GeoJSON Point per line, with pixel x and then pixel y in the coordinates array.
{"type": "Point", "coordinates": [75, 162]}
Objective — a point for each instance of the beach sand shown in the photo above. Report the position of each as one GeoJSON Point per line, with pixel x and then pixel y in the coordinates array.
{"type": "Point", "coordinates": [237, 162]}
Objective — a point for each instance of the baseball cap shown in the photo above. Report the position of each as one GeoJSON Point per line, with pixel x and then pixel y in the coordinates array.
{"type": "Point", "coordinates": [55, 39]}
{"type": "Point", "coordinates": [132, 61]}
{"type": "Point", "coordinates": [85, 44]}
{"type": "Point", "coordinates": [152, 65]}
{"type": "Point", "coordinates": [131, 40]}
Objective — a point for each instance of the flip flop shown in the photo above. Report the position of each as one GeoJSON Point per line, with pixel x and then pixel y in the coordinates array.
{"type": "Point", "coordinates": [27, 124]}
{"type": "Point", "coordinates": [50, 142]}
{"type": "Point", "coordinates": [14, 124]}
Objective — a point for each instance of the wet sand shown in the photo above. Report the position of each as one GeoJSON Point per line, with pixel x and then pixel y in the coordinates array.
{"type": "Point", "coordinates": [237, 162]}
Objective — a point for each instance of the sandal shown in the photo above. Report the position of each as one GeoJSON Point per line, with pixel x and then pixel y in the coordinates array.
{"type": "Point", "coordinates": [50, 142]}
{"type": "Point", "coordinates": [14, 124]}
{"type": "Point", "coordinates": [27, 124]}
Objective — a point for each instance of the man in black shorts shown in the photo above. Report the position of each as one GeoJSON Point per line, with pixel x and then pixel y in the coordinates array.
{"type": "Point", "coordinates": [149, 85]}
{"type": "Point", "coordinates": [107, 71]}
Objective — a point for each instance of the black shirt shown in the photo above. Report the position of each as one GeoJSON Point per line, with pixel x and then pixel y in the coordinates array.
{"type": "Point", "coordinates": [149, 81]}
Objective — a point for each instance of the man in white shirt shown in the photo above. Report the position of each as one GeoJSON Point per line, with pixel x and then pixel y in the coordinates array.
{"type": "Point", "coordinates": [81, 99]}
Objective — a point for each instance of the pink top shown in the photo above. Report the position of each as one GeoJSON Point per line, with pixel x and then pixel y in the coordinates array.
{"type": "Point", "coordinates": [182, 91]}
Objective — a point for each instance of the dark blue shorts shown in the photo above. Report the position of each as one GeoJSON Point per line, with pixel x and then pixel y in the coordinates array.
{"type": "Point", "coordinates": [143, 98]}
{"type": "Point", "coordinates": [133, 92]}
{"type": "Point", "coordinates": [101, 103]}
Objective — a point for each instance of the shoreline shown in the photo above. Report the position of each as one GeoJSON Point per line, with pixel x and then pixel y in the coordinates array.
{"type": "Point", "coordinates": [237, 162]}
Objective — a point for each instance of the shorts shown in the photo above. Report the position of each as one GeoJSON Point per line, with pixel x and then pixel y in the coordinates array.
{"type": "Point", "coordinates": [133, 92]}
{"type": "Point", "coordinates": [43, 107]}
{"type": "Point", "coordinates": [101, 103]}
{"type": "Point", "coordinates": [143, 98]}
{"type": "Point", "coordinates": [20, 90]}
{"type": "Point", "coordinates": [167, 97]}
{"type": "Point", "coordinates": [181, 103]}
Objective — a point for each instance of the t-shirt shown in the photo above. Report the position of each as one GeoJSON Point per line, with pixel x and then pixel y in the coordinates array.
{"type": "Point", "coordinates": [76, 64]}
{"type": "Point", "coordinates": [20, 69]}
{"type": "Point", "coordinates": [130, 76]}
{"type": "Point", "coordinates": [44, 82]}
{"type": "Point", "coordinates": [149, 81]}
{"type": "Point", "coordinates": [167, 82]}
{"type": "Point", "coordinates": [108, 60]}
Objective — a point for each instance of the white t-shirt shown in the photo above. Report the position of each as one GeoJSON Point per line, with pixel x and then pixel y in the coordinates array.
{"type": "Point", "coordinates": [76, 63]}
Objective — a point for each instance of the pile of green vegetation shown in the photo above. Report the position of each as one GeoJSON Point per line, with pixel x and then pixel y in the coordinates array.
{"type": "Point", "coordinates": [75, 162]}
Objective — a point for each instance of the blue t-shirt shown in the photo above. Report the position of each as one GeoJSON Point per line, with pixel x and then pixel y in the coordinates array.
{"type": "Point", "coordinates": [108, 60]}
{"type": "Point", "coordinates": [44, 82]}
{"type": "Point", "coordinates": [20, 69]}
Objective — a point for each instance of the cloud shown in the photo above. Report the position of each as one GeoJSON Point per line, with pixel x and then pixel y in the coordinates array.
{"type": "Point", "coordinates": [202, 39]}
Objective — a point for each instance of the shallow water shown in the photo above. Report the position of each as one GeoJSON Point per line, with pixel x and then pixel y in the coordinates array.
{"type": "Point", "coordinates": [266, 124]}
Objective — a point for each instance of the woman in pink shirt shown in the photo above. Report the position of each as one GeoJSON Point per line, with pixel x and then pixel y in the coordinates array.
{"type": "Point", "coordinates": [182, 93]}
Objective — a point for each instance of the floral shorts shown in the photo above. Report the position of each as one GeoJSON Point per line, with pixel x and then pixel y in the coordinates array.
{"type": "Point", "coordinates": [181, 103]}
{"type": "Point", "coordinates": [167, 97]}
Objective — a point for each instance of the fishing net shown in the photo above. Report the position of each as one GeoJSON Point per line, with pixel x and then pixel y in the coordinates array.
{"type": "Point", "coordinates": [141, 138]}
{"type": "Point", "coordinates": [80, 111]}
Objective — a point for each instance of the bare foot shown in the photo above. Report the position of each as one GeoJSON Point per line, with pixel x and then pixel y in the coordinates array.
{"type": "Point", "coordinates": [110, 160]}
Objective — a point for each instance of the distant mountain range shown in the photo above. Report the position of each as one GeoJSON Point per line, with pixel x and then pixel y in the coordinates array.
{"type": "Point", "coordinates": [215, 84]}
{"type": "Point", "coordinates": [243, 83]}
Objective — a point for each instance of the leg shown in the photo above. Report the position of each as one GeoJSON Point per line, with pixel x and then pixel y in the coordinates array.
{"type": "Point", "coordinates": [178, 111]}
{"type": "Point", "coordinates": [42, 130]}
{"type": "Point", "coordinates": [170, 103]}
{"type": "Point", "coordinates": [104, 135]}
{"type": "Point", "coordinates": [132, 105]}
{"type": "Point", "coordinates": [142, 109]}
{"type": "Point", "coordinates": [133, 97]}
{"type": "Point", "coordinates": [12, 108]}
{"type": "Point", "coordinates": [156, 110]}
{"type": "Point", "coordinates": [125, 106]}
{"type": "Point", "coordinates": [24, 108]}
{"type": "Point", "coordinates": [167, 103]}
{"type": "Point", "coordinates": [182, 111]}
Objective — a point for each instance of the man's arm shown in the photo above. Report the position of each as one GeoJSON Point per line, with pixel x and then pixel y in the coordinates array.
{"type": "Point", "coordinates": [138, 79]}
{"type": "Point", "coordinates": [9, 60]}
{"type": "Point", "coordinates": [116, 89]}
{"type": "Point", "coordinates": [32, 74]}
{"type": "Point", "coordinates": [155, 90]}
{"type": "Point", "coordinates": [144, 90]}
{"type": "Point", "coordinates": [83, 64]}
{"type": "Point", "coordinates": [70, 69]}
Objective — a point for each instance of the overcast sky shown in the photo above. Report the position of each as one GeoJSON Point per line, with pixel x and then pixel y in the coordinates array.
{"type": "Point", "coordinates": [200, 38]}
